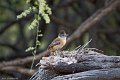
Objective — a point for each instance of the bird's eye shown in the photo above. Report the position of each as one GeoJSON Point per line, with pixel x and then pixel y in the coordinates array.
{"type": "Point", "coordinates": [61, 35]}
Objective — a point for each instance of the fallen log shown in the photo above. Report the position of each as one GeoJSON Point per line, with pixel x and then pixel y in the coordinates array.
{"type": "Point", "coordinates": [76, 61]}
{"type": "Point", "coordinates": [80, 64]}
{"type": "Point", "coordinates": [101, 74]}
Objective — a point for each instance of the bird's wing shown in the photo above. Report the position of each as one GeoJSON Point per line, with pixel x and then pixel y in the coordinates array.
{"type": "Point", "coordinates": [54, 43]}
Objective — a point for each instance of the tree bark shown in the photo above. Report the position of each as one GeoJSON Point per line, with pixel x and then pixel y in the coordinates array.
{"type": "Point", "coordinates": [86, 65]}
{"type": "Point", "coordinates": [88, 61]}
{"type": "Point", "coordinates": [101, 74]}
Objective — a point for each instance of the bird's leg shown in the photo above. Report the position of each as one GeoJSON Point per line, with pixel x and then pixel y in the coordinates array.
{"type": "Point", "coordinates": [55, 53]}
{"type": "Point", "coordinates": [58, 53]}
{"type": "Point", "coordinates": [52, 54]}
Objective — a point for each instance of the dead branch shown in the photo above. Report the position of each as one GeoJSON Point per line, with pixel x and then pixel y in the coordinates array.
{"type": "Point", "coordinates": [42, 74]}
{"type": "Point", "coordinates": [92, 20]}
{"type": "Point", "coordinates": [13, 47]}
{"type": "Point", "coordinates": [19, 62]}
{"type": "Point", "coordinates": [101, 74]}
{"type": "Point", "coordinates": [71, 61]}
{"type": "Point", "coordinates": [2, 30]}
{"type": "Point", "coordinates": [78, 61]}
{"type": "Point", "coordinates": [21, 70]}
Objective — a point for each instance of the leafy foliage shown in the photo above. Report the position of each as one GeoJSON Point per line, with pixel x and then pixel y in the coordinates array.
{"type": "Point", "coordinates": [43, 11]}
{"type": "Point", "coordinates": [29, 49]}
{"type": "Point", "coordinates": [26, 12]}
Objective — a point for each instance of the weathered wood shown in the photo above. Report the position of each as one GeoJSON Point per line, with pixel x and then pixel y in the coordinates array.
{"type": "Point", "coordinates": [76, 64]}
{"type": "Point", "coordinates": [88, 61]}
{"type": "Point", "coordinates": [101, 74]}
{"type": "Point", "coordinates": [43, 75]}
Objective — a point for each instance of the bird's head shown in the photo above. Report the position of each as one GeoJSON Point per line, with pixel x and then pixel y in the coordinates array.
{"type": "Point", "coordinates": [62, 34]}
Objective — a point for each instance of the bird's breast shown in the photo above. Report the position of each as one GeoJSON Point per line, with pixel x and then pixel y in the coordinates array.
{"type": "Point", "coordinates": [59, 46]}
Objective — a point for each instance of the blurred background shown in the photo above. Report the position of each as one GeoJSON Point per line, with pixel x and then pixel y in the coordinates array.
{"type": "Point", "coordinates": [15, 37]}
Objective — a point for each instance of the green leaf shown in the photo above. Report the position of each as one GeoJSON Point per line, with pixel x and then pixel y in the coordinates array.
{"type": "Point", "coordinates": [25, 13]}
{"type": "Point", "coordinates": [38, 43]}
{"type": "Point", "coordinates": [29, 49]}
{"type": "Point", "coordinates": [40, 35]}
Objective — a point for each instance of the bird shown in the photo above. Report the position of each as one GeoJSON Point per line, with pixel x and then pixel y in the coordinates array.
{"type": "Point", "coordinates": [58, 42]}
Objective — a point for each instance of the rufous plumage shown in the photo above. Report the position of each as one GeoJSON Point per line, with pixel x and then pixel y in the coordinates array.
{"type": "Point", "coordinates": [58, 43]}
